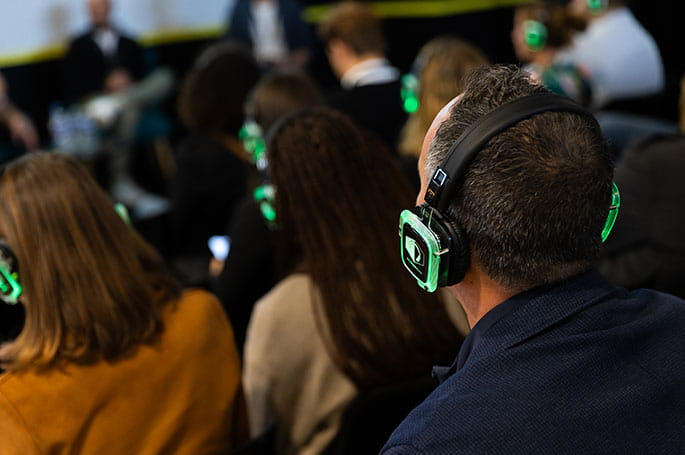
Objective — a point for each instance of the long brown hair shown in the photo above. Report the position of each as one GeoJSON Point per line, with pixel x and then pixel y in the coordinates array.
{"type": "Point", "coordinates": [338, 199]}
{"type": "Point", "coordinates": [93, 288]}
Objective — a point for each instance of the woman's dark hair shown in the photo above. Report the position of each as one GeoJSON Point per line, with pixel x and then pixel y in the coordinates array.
{"type": "Point", "coordinates": [213, 93]}
{"type": "Point", "coordinates": [338, 198]}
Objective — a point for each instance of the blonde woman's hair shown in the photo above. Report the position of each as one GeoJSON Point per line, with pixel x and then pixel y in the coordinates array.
{"type": "Point", "coordinates": [443, 62]}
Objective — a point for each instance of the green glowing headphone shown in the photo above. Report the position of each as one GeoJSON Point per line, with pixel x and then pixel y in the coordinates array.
{"type": "Point", "coordinates": [535, 35]}
{"type": "Point", "coordinates": [264, 195]}
{"type": "Point", "coordinates": [433, 246]}
{"type": "Point", "coordinates": [252, 137]}
{"type": "Point", "coordinates": [410, 93]}
{"type": "Point", "coordinates": [597, 6]}
{"type": "Point", "coordinates": [10, 289]}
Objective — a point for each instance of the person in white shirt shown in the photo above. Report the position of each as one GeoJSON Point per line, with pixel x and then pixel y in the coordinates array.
{"type": "Point", "coordinates": [622, 57]}
{"type": "Point", "coordinates": [356, 51]}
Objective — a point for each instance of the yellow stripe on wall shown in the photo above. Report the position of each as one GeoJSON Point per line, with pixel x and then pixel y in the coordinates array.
{"type": "Point", "coordinates": [427, 8]}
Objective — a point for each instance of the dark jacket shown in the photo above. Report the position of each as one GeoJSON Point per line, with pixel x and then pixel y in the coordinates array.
{"type": "Point", "coordinates": [295, 29]}
{"type": "Point", "coordinates": [209, 183]}
{"type": "Point", "coordinates": [86, 67]}
{"type": "Point", "coordinates": [582, 367]}
{"type": "Point", "coordinates": [376, 107]}
{"type": "Point", "coordinates": [647, 245]}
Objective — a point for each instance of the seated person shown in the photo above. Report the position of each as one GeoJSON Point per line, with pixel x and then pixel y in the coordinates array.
{"type": "Point", "coordinates": [101, 60]}
{"type": "Point", "coordinates": [621, 56]}
{"type": "Point", "coordinates": [335, 324]}
{"type": "Point", "coordinates": [517, 188]}
{"type": "Point", "coordinates": [113, 353]}
{"type": "Point", "coordinates": [213, 169]}
{"type": "Point", "coordinates": [249, 271]}
{"type": "Point", "coordinates": [648, 249]}
{"type": "Point", "coordinates": [105, 76]}
{"type": "Point", "coordinates": [21, 130]}
{"type": "Point", "coordinates": [438, 69]}
{"type": "Point", "coordinates": [274, 29]}
{"type": "Point", "coordinates": [541, 31]}
{"type": "Point", "coordinates": [370, 85]}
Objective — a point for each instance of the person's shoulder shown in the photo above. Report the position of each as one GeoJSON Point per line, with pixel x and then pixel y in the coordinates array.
{"type": "Point", "coordinates": [439, 425]}
{"type": "Point", "coordinates": [287, 308]}
{"type": "Point", "coordinates": [81, 39]}
{"type": "Point", "coordinates": [295, 288]}
{"type": "Point", "coordinates": [196, 307]}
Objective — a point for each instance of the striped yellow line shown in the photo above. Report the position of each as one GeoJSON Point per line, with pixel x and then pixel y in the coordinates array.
{"type": "Point", "coordinates": [409, 9]}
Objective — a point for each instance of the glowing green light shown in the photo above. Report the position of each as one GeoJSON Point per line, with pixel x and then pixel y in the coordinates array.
{"type": "Point", "coordinates": [268, 211]}
{"type": "Point", "coordinates": [251, 136]}
{"type": "Point", "coordinates": [613, 211]}
{"type": "Point", "coordinates": [410, 93]}
{"type": "Point", "coordinates": [9, 285]}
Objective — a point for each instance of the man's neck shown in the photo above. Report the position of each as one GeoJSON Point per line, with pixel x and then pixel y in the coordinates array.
{"type": "Point", "coordinates": [478, 294]}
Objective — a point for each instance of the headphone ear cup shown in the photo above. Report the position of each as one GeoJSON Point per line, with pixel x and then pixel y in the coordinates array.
{"type": "Point", "coordinates": [460, 254]}
{"type": "Point", "coordinates": [454, 263]}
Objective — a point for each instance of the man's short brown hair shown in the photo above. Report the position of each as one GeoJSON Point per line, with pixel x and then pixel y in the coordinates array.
{"type": "Point", "coordinates": [356, 25]}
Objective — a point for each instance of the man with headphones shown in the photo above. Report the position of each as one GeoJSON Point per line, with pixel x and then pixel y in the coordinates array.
{"type": "Point", "coordinates": [516, 199]}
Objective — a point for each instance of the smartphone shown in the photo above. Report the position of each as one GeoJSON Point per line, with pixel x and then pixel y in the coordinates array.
{"type": "Point", "coordinates": [219, 245]}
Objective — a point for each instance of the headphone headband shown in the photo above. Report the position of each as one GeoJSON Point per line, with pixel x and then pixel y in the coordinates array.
{"type": "Point", "coordinates": [447, 176]}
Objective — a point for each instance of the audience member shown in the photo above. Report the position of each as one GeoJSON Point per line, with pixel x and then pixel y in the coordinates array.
{"type": "Point", "coordinates": [113, 357]}
{"type": "Point", "coordinates": [105, 76]}
{"type": "Point", "coordinates": [249, 271]}
{"type": "Point", "coordinates": [336, 324]}
{"type": "Point", "coordinates": [370, 92]}
{"type": "Point", "coordinates": [274, 29]}
{"type": "Point", "coordinates": [541, 31]}
{"type": "Point", "coordinates": [648, 248]}
{"type": "Point", "coordinates": [621, 56]}
{"type": "Point", "coordinates": [212, 165]}
{"type": "Point", "coordinates": [101, 60]}
{"type": "Point", "coordinates": [21, 129]}
{"type": "Point", "coordinates": [558, 360]}
{"type": "Point", "coordinates": [440, 67]}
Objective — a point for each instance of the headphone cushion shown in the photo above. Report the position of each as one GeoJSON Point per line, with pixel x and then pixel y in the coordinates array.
{"type": "Point", "coordinates": [457, 260]}
{"type": "Point", "coordinates": [461, 256]}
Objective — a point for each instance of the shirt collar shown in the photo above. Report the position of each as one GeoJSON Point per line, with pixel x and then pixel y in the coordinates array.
{"type": "Point", "coordinates": [369, 72]}
{"type": "Point", "coordinates": [526, 314]}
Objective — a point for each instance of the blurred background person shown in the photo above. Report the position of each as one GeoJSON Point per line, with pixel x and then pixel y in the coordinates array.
{"type": "Point", "coordinates": [621, 56]}
{"type": "Point", "coordinates": [541, 31]}
{"type": "Point", "coordinates": [102, 59]}
{"type": "Point", "coordinates": [274, 29]}
{"type": "Point", "coordinates": [647, 248]}
{"type": "Point", "coordinates": [370, 86]}
{"type": "Point", "coordinates": [333, 327]}
{"type": "Point", "coordinates": [212, 167]}
{"type": "Point", "coordinates": [439, 69]}
{"type": "Point", "coordinates": [22, 133]}
{"type": "Point", "coordinates": [106, 75]}
{"type": "Point", "coordinates": [112, 353]}
{"type": "Point", "coordinates": [249, 271]}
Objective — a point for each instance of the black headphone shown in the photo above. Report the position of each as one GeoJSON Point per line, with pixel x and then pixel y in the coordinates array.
{"type": "Point", "coordinates": [433, 246]}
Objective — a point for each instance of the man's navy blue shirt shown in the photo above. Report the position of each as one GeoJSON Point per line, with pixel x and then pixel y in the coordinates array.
{"type": "Point", "coordinates": [582, 367]}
